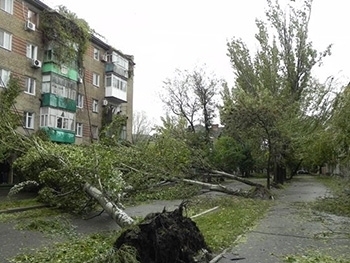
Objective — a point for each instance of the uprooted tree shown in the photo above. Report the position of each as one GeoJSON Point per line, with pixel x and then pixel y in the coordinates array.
{"type": "Point", "coordinates": [77, 177]}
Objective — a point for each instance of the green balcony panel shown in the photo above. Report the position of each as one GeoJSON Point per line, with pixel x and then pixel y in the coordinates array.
{"type": "Point", "coordinates": [63, 71]}
{"type": "Point", "coordinates": [52, 100]}
{"type": "Point", "coordinates": [58, 135]}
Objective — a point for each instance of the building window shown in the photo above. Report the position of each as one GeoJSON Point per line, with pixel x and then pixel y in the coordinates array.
{"type": "Point", "coordinates": [94, 132]}
{"type": "Point", "coordinates": [32, 51]}
{"type": "Point", "coordinates": [57, 118]}
{"type": "Point", "coordinates": [96, 54]}
{"type": "Point", "coordinates": [6, 5]}
{"type": "Point", "coordinates": [80, 101]}
{"type": "Point", "coordinates": [4, 77]}
{"type": "Point", "coordinates": [60, 86]}
{"type": "Point", "coordinates": [32, 16]}
{"type": "Point", "coordinates": [116, 82]}
{"type": "Point", "coordinates": [79, 130]}
{"type": "Point", "coordinates": [96, 79]}
{"type": "Point", "coordinates": [5, 39]}
{"type": "Point", "coordinates": [30, 86]}
{"type": "Point", "coordinates": [120, 61]}
{"type": "Point", "coordinates": [94, 105]}
{"type": "Point", "coordinates": [29, 120]}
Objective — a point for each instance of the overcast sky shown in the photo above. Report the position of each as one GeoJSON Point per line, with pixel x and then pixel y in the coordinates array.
{"type": "Point", "coordinates": [164, 35]}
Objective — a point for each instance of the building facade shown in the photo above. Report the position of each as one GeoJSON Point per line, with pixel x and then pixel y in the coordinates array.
{"type": "Point", "coordinates": [68, 102]}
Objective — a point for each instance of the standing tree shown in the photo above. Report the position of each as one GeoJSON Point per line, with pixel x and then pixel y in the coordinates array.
{"type": "Point", "coordinates": [191, 95]}
{"type": "Point", "coordinates": [141, 127]}
{"type": "Point", "coordinates": [10, 120]}
{"type": "Point", "coordinates": [273, 88]}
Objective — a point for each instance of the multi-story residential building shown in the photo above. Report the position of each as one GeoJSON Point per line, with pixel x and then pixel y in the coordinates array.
{"type": "Point", "coordinates": [67, 101]}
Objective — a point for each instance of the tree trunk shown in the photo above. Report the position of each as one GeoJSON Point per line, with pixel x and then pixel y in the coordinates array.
{"type": "Point", "coordinates": [216, 187]}
{"type": "Point", "coordinates": [234, 177]}
{"type": "Point", "coordinates": [118, 215]}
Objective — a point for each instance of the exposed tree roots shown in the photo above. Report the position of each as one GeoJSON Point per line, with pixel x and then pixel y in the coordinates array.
{"type": "Point", "coordinates": [166, 237]}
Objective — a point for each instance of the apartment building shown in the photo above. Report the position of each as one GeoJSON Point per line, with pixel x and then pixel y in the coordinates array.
{"type": "Point", "coordinates": [69, 102]}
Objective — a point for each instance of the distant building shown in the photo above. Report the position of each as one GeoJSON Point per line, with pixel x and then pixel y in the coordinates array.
{"type": "Point", "coordinates": [67, 102]}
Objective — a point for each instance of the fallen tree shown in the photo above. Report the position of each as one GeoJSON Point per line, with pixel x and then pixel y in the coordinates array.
{"type": "Point", "coordinates": [111, 208]}
{"type": "Point", "coordinates": [257, 190]}
{"type": "Point", "coordinates": [166, 237]}
{"type": "Point", "coordinates": [237, 178]}
{"type": "Point", "coordinates": [216, 187]}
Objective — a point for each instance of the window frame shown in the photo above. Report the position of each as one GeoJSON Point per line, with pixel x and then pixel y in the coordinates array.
{"type": "Point", "coordinates": [96, 79]}
{"type": "Point", "coordinates": [94, 105]}
{"type": "Point", "coordinates": [32, 16]}
{"type": "Point", "coordinates": [8, 6]}
{"type": "Point", "coordinates": [57, 119]}
{"type": "Point", "coordinates": [7, 39]}
{"type": "Point", "coordinates": [80, 101]}
{"type": "Point", "coordinates": [32, 51]}
{"type": "Point", "coordinates": [30, 86]}
{"type": "Point", "coordinates": [96, 54]}
{"type": "Point", "coordinates": [4, 77]}
{"type": "Point", "coordinates": [79, 129]}
{"type": "Point", "coordinates": [29, 118]}
{"type": "Point", "coordinates": [114, 81]}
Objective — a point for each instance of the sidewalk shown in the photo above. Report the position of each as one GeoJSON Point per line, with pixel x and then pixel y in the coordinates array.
{"type": "Point", "coordinates": [289, 228]}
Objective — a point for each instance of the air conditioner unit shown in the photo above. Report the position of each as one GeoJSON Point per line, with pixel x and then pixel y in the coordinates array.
{"type": "Point", "coordinates": [104, 58]}
{"type": "Point", "coordinates": [80, 80]}
{"type": "Point", "coordinates": [105, 102]}
{"type": "Point", "coordinates": [36, 63]}
{"type": "Point", "coordinates": [29, 26]}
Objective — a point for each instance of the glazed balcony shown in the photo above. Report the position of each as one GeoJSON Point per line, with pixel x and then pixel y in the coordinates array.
{"type": "Point", "coordinates": [54, 101]}
{"type": "Point", "coordinates": [116, 69]}
{"type": "Point", "coordinates": [116, 89]}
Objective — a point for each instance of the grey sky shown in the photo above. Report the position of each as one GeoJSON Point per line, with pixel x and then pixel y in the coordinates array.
{"type": "Point", "coordinates": [164, 35]}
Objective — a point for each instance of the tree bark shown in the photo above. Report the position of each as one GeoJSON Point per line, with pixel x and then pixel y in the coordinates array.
{"type": "Point", "coordinates": [118, 215]}
{"type": "Point", "coordinates": [234, 177]}
{"type": "Point", "coordinates": [216, 187]}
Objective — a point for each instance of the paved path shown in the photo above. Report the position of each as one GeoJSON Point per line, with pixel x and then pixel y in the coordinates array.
{"type": "Point", "coordinates": [290, 228]}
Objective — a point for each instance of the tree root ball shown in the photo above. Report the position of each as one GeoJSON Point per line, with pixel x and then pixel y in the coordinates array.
{"type": "Point", "coordinates": [166, 237]}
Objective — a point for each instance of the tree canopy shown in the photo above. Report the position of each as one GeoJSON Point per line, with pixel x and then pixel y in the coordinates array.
{"type": "Point", "coordinates": [274, 91]}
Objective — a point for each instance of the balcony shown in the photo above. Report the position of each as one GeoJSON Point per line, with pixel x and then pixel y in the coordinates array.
{"type": "Point", "coordinates": [115, 94]}
{"type": "Point", "coordinates": [54, 101]}
{"type": "Point", "coordinates": [57, 135]}
{"type": "Point", "coordinates": [112, 68]}
{"type": "Point", "coordinates": [63, 71]}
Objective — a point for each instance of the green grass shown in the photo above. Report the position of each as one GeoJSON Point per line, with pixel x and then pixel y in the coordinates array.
{"type": "Point", "coordinates": [53, 226]}
{"type": "Point", "coordinates": [30, 214]}
{"type": "Point", "coordinates": [233, 218]}
{"type": "Point", "coordinates": [9, 203]}
{"type": "Point", "coordinates": [172, 192]}
{"type": "Point", "coordinates": [47, 221]}
{"type": "Point", "coordinates": [78, 250]}
{"type": "Point", "coordinates": [339, 202]}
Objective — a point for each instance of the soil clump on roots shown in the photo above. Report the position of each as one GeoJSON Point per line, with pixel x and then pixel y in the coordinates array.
{"type": "Point", "coordinates": [166, 237]}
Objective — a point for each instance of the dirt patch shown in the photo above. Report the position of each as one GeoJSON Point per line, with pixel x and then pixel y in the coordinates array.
{"type": "Point", "coordinates": [166, 237]}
